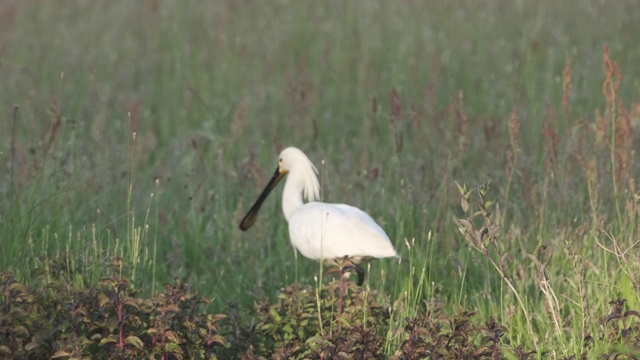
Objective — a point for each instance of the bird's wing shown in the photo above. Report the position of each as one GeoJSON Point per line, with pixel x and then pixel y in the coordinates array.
{"type": "Point", "coordinates": [321, 230]}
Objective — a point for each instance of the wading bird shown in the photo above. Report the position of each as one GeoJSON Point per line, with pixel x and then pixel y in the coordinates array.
{"type": "Point", "coordinates": [339, 234]}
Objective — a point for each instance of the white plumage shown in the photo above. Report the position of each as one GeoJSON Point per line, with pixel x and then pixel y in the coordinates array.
{"type": "Point", "coordinates": [328, 231]}
{"type": "Point", "coordinates": [322, 231]}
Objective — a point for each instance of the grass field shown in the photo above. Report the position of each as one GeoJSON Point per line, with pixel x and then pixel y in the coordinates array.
{"type": "Point", "coordinates": [146, 130]}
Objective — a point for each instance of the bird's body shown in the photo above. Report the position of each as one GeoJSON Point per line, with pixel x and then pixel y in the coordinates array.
{"type": "Point", "coordinates": [322, 231]}
{"type": "Point", "coordinates": [328, 231]}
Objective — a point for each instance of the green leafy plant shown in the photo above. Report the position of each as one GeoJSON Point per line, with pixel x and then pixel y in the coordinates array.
{"type": "Point", "coordinates": [434, 335]}
{"type": "Point", "coordinates": [303, 325]}
{"type": "Point", "coordinates": [622, 329]}
{"type": "Point", "coordinates": [54, 319]}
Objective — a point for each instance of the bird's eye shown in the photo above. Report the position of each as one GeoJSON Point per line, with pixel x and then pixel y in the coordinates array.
{"type": "Point", "coordinates": [280, 160]}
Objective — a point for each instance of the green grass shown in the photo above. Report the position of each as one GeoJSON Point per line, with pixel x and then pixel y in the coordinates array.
{"type": "Point", "coordinates": [213, 91]}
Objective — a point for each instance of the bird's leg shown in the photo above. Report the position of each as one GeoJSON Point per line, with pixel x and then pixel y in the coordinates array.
{"type": "Point", "coordinates": [337, 267]}
{"type": "Point", "coordinates": [343, 282]}
{"type": "Point", "coordinates": [360, 272]}
{"type": "Point", "coordinates": [342, 286]}
{"type": "Point", "coordinates": [349, 266]}
{"type": "Point", "coordinates": [345, 268]}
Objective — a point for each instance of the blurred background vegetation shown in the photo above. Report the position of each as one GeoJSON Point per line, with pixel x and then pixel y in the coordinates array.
{"type": "Point", "coordinates": [146, 129]}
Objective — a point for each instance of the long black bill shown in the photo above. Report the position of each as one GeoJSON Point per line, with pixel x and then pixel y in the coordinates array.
{"type": "Point", "coordinates": [251, 216]}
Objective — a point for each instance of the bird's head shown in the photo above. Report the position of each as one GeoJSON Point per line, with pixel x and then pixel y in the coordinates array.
{"type": "Point", "coordinates": [293, 161]}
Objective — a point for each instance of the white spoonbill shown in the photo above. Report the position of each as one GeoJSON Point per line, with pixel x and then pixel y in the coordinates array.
{"type": "Point", "coordinates": [340, 234]}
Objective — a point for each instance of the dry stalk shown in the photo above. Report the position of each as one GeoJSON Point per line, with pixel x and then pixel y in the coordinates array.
{"type": "Point", "coordinates": [481, 239]}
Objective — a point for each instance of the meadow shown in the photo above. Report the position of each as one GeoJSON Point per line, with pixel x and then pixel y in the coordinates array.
{"type": "Point", "coordinates": [494, 141]}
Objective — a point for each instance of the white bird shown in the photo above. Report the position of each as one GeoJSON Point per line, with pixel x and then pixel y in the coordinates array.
{"type": "Point", "coordinates": [340, 234]}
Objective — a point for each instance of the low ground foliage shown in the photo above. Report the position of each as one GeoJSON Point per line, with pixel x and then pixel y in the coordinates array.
{"type": "Point", "coordinates": [52, 318]}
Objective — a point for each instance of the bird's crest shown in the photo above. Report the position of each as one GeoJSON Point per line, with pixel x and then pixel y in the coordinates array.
{"type": "Point", "coordinates": [294, 157]}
